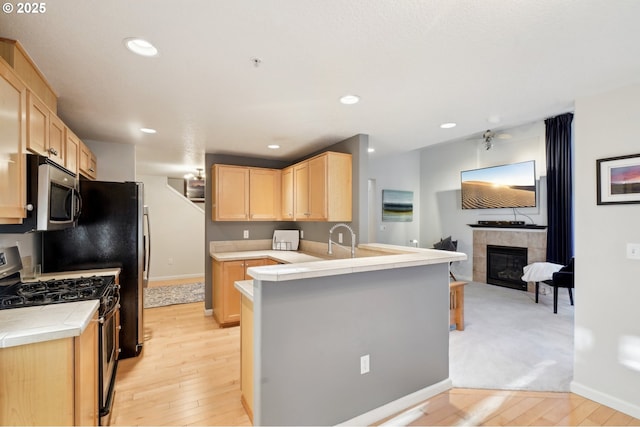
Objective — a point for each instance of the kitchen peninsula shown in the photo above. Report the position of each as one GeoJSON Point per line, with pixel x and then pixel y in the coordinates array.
{"type": "Point", "coordinates": [317, 323]}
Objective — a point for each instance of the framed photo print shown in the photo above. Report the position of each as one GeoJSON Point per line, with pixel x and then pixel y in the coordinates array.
{"type": "Point", "coordinates": [397, 205]}
{"type": "Point", "coordinates": [618, 180]}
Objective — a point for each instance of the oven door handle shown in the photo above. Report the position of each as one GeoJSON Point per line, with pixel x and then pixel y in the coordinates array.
{"type": "Point", "coordinates": [111, 311]}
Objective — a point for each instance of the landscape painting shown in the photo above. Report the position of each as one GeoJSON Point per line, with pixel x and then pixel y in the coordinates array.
{"type": "Point", "coordinates": [505, 186]}
{"type": "Point", "coordinates": [619, 179]}
{"type": "Point", "coordinates": [397, 205]}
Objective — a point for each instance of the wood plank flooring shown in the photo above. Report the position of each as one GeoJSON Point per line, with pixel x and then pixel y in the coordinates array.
{"type": "Point", "coordinates": [189, 374]}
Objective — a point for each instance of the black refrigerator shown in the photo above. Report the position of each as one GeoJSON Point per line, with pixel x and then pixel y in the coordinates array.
{"type": "Point", "coordinates": [112, 231]}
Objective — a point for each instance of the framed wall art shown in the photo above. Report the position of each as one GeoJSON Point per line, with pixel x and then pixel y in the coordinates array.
{"type": "Point", "coordinates": [618, 180]}
{"type": "Point", "coordinates": [397, 205]}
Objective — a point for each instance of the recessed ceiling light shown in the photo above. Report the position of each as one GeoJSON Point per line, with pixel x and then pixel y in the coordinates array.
{"type": "Point", "coordinates": [370, 150]}
{"type": "Point", "coordinates": [350, 99]}
{"type": "Point", "coordinates": [273, 146]}
{"type": "Point", "coordinates": [448, 125]}
{"type": "Point", "coordinates": [140, 46]}
{"type": "Point", "coordinates": [148, 130]}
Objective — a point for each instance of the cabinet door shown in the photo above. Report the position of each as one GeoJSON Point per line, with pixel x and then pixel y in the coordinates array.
{"type": "Point", "coordinates": [87, 162]}
{"type": "Point", "coordinates": [318, 188]}
{"type": "Point", "coordinates": [254, 263]}
{"type": "Point", "coordinates": [37, 125]}
{"type": "Point", "coordinates": [86, 375]}
{"type": "Point", "coordinates": [301, 191]}
{"type": "Point", "coordinates": [72, 151]}
{"type": "Point", "coordinates": [12, 134]}
{"type": "Point", "coordinates": [231, 193]}
{"type": "Point", "coordinates": [232, 272]}
{"type": "Point", "coordinates": [56, 140]}
{"type": "Point", "coordinates": [264, 194]}
{"type": "Point", "coordinates": [287, 194]}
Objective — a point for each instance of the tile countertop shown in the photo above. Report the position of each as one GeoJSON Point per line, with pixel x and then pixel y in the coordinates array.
{"type": "Point", "coordinates": [246, 288]}
{"type": "Point", "coordinates": [288, 257]}
{"type": "Point", "coordinates": [28, 325]}
{"type": "Point", "coordinates": [301, 265]}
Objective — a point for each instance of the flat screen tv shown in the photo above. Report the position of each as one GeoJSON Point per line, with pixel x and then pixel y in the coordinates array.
{"type": "Point", "coordinates": [504, 186]}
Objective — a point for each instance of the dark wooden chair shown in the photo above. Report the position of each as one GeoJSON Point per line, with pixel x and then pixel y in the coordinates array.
{"type": "Point", "coordinates": [563, 278]}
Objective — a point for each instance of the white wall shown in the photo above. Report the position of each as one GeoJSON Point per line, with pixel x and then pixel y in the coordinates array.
{"type": "Point", "coordinates": [177, 231]}
{"type": "Point", "coordinates": [399, 172]}
{"type": "Point", "coordinates": [440, 201]}
{"type": "Point", "coordinates": [116, 162]}
{"type": "Point", "coordinates": [607, 324]}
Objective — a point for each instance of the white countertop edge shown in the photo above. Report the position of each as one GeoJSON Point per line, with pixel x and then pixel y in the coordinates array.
{"type": "Point", "coordinates": [245, 287]}
{"type": "Point", "coordinates": [48, 322]}
{"type": "Point", "coordinates": [416, 257]}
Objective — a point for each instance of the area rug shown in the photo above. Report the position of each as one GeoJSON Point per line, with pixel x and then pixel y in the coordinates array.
{"type": "Point", "coordinates": [160, 296]}
{"type": "Point", "coordinates": [512, 343]}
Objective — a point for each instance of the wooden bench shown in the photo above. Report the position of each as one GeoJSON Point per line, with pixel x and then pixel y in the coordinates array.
{"type": "Point", "coordinates": [456, 304]}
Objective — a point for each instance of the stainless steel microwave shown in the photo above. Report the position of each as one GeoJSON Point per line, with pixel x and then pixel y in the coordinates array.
{"type": "Point", "coordinates": [53, 199]}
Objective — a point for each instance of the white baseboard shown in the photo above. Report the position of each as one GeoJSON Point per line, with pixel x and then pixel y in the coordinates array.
{"type": "Point", "coordinates": [401, 404]}
{"type": "Point", "coordinates": [178, 277]}
{"type": "Point", "coordinates": [208, 312]}
{"type": "Point", "coordinates": [606, 399]}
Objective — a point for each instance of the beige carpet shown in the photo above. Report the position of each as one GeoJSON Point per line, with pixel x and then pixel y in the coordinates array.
{"type": "Point", "coordinates": [510, 342]}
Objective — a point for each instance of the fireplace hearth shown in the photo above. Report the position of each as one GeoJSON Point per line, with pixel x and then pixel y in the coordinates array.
{"type": "Point", "coordinates": [505, 266]}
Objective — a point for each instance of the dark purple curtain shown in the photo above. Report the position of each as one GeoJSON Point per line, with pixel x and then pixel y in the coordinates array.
{"type": "Point", "coordinates": [559, 189]}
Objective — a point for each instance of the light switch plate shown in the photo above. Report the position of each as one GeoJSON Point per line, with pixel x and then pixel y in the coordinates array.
{"type": "Point", "coordinates": [633, 250]}
{"type": "Point", "coordinates": [364, 364]}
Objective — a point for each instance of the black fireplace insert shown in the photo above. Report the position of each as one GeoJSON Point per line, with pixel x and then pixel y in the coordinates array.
{"type": "Point", "coordinates": [505, 266]}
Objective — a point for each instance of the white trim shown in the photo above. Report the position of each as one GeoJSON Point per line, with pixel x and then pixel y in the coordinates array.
{"type": "Point", "coordinates": [208, 312]}
{"type": "Point", "coordinates": [178, 277]}
{"type": "Point", "coordinates": [402, 404]}
{"type": "Point", "coordinates": [606, 399]}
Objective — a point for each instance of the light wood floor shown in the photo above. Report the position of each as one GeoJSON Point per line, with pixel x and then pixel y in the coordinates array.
{"type": "Point", "coordinates": [189, 374]}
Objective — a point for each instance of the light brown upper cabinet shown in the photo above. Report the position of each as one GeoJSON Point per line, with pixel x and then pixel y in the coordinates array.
{"type": "Point", "coordinates": [37, 125]}
{"type": "Point", "coordinates": [264, 194]}
{"type": "Point", "coordinates": [57, 150]}
{"type": "Point", "coordinates": [12, 137]}
{"type": "Point", "coordinates": [322, 188]}
{"type": "Point", "coordinates": [88, 164]}
{"type": "Point", "coordinates": [245, 194]}
{"type": "Point", "coordinates": [45, 131]}
{"type": "Point", "coordinates": [72, 151]}
{"type": "Point", "coordinates": [286, 212]}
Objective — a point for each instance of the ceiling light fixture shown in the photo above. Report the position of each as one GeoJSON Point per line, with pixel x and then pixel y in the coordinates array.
{"type": "Point", "coordinates": [488, 136]}
{"type": "Point", "coordinates": [148, 130]}
{"type": "Point", "coordinates": [273, 146]}
{"type": "Point", "coordinates": [448, 125]}
{"type": "Point", "coordinates": [350, 99]}
{"type": "Point", "coordinates": [140, 47]}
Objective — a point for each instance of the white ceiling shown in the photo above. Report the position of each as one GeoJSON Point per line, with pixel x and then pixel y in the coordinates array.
{"type": "Point", "coordinates": [414, 63]}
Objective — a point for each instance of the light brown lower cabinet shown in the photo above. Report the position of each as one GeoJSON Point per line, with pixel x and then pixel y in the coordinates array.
{"type": "Point", "coordinates": [52, 382]}
{"type": "Point", "coordinates": [246, 355]}
{"type": "Point", "coordinates": [226, 298]}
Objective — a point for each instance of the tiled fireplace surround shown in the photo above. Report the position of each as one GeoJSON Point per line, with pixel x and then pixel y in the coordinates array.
{"type": "Point", "coordinates": [534, 240]}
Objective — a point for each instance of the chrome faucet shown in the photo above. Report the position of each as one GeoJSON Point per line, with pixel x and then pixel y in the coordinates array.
{"type": "Point", "coordinates": [353, 239]}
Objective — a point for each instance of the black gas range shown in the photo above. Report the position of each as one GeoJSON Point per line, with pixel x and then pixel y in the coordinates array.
{"type": "Point", "coordinates": [54, 291]}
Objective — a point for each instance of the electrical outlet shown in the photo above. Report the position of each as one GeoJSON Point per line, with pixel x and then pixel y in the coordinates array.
{"type": "Point", "coordinates": [633, 250]}
{"type": "Point", "coordinates": [302, 234]}
{"type": "Point", "coordinates": [339, 237]}
{"type": "Point", "coordinates": [364, 364]}
{"type": "Point", "coordinates": [245, 234]}
{"type": "Point", "coordinates": [170, 261]}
